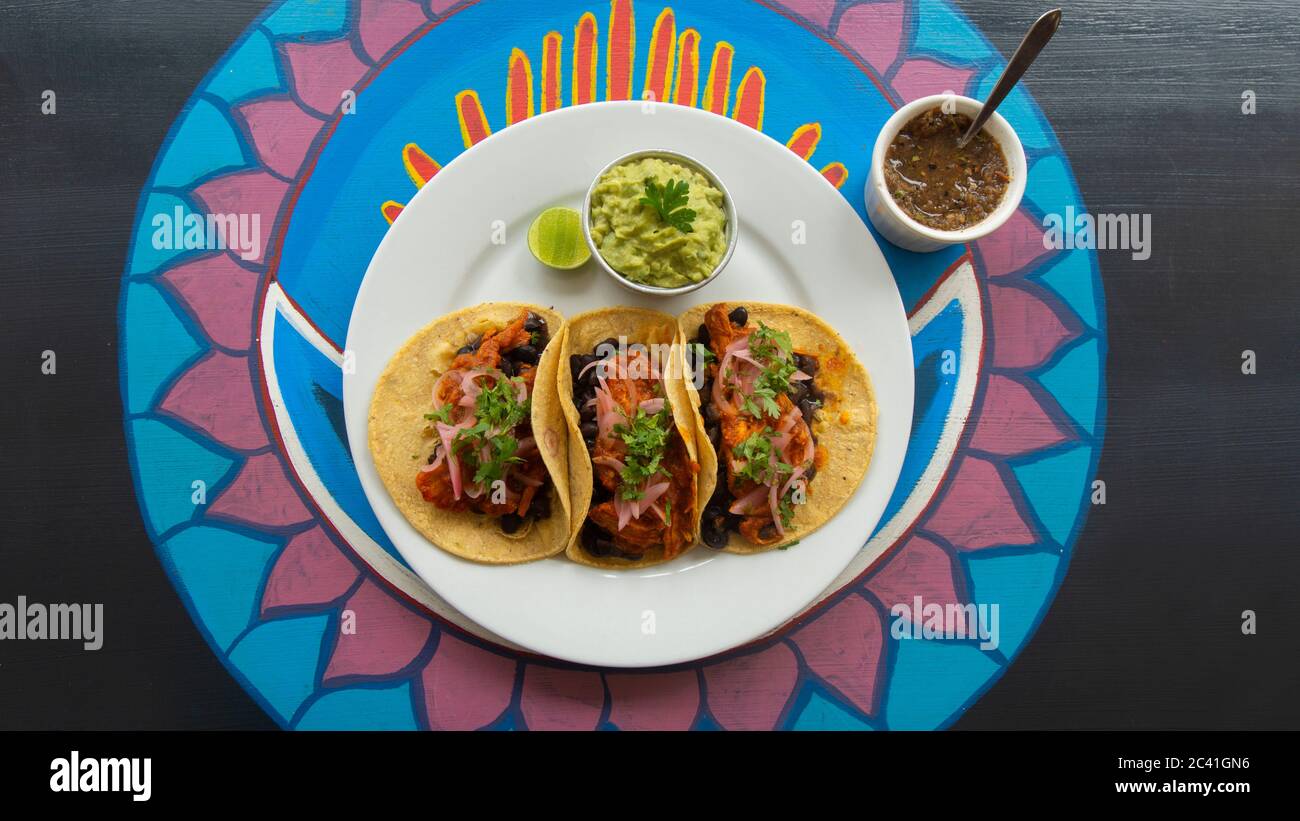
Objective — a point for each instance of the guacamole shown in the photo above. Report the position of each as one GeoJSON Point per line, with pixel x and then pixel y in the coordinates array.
{"type": "Point", "coordinates": [635, 240]}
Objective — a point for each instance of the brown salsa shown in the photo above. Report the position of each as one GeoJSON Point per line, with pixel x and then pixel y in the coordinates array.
{"type": "Point", "coordinates": [938, 184]}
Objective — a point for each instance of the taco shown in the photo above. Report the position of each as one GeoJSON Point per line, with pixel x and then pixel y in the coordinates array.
{"type": "Point", "coordinates": [633, 465]}
{"type": "Point", "coordinates": [468, 437]}
{"type": "Point", "coordinates": [786, 422]}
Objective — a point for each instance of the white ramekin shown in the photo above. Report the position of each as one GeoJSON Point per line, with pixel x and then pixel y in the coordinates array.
{"type": "Point", "coordinates": [905, 232]}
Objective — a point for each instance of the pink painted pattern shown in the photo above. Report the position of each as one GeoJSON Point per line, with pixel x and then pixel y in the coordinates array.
{"type": "Point", "coordinates": [221, 296]}
{"type": "Point", "coordinates": [875, 32]}
{"type": "Point", "coordinates": [979, 511]}
{"type": "Point", "coordinates": [844, 647]}
{"type": "Point", "coordinates": [261, 495]}
{"type": "Point", "coordinates": [385, 23]}
{"type": "Point", "coordinates": [386, 637]}
{"type": "Point", "coordinates": [311, 574]}
{"type": "Point", "coordinates": [1012, 421]}
{"type": "Point", "coordinates": [281, 131]}
{"type": "Point", "coordinates": [750, 692]}
{"type": "Point", "coordinates": [555, 699]}
{"type": "Point", "coordinates": [216, 396]}
{"type": "Point", "coordinates": [322, 72]}
{"type": "Point", "coordinates": [464, 687]}
{"type": "Point", "coordinates": [653, 701]}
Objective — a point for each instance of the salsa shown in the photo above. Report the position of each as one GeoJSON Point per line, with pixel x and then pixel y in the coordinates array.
{"type": "Point", "coordinates": [938, 184]}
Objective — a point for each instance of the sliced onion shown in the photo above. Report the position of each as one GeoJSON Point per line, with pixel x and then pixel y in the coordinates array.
{"type": "Point", "coordinates": [794, 477]}
{"type": "Point", "coordinates": [773, 500]}
{"type": "Point", "coordinates": [799, 376]}
{"type": "Point", "coordinates": [653, 406]}
{"type": "Point", "coordinates": [750, 502]}
{"type": "Point", "coordinates": [650, 495]}
{"type": "Point", "coordinates": [609, 462]}
{"type": "Point", "coordinates": [624, 509]}
{"type": "Point", "coordinates": [451, 374]}
{"type": "Point", "coordinates": [526, 445]}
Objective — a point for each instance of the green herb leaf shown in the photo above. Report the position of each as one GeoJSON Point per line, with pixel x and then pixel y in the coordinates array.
{"type": "Point", "coordinates": [670, 201]}
{"type": "Point", "coordinates": [757, 454]}
{"type": "Point", "coordinates": [646, 437]}
{"type": "Point", "coordinates": [442, 414]}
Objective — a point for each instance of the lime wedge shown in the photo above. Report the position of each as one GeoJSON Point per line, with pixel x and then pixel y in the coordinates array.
{"type": "Point", "coordinates": [555, 238]}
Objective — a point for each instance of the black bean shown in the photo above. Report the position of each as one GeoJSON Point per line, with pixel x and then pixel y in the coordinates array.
{"type": "Point", "coordinates": [738, 316]}
{"type": "Point", "coordinates": [702, 336]}
{"type": "Point", "coordinates": [588, 537]}
{"type": "Point", "coordinates": [464, 349]}
{"type": "Point", "coordinates": [810, 472]}
{"type": "Point", "coordinates": [510, 523]}
{"type": "Point", "coordinates": [808, 407]}
{"type": "Point", "coordinates": [711, 413]}
{"type": "Point", "coordinates": [798, 390]}
{"type": "Point", "coordinates": [534, 323]}
{"type": "Point", "coordinates": [507, 367]}
{"type": "Point", "coordinates": [525, 354]}
{"type": "Point", "coordinates": [540, 507]}
{"type": "Point", "coordinates": [589, 431]}
{"type": "Point", "coordinates": [767, 531]}
{"type": "Point", "coordinates": [715, 436]}
{"type": "Point", "coordinates": [540, 341]}
{"type": "Point", "coordinates": [815, 393]}
{"type": "Point", "coordinates": [806, 363]}
{"type": "Point", "coordinates": [432, 456]}
{"type": "Point", "coordinates": [604, 547]}
{"type": "Point", "coordinates": [713, 532]}
{"type": "Point", "coordinates": [587, 413]}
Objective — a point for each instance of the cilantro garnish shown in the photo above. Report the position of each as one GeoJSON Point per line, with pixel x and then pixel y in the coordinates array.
{"type": "Point", "coordinates": [497, 411]}
{"type": "Point", "coordinates": [759, 467]}
{"type": "Point", "coordinates": [646, 437]}
{"type": "Point", "coordinates": [776, 351]}
{"type": "Point", "coordinates": [442, 414]}
{"type": "Point", "coordinates": [670, 201]}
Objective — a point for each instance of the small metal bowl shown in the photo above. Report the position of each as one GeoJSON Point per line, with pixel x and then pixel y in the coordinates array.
{"type": "Point", "coordinates": [728, 206]}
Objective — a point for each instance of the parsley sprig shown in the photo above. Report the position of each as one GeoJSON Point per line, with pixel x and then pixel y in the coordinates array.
{"type": "Point", "coordinates": [670, 201]}
{"type": "Point", "coordinates": [646, 437]}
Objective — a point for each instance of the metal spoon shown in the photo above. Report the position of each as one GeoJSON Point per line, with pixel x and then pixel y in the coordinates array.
{"type": "Point", "coordinates": [1037, 36]}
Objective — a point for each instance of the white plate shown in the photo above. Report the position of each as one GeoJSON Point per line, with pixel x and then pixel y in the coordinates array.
{"type": "Point", "coordinates": [439, 256]}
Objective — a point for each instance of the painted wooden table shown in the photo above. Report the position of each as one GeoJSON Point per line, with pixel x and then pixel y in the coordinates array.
{"type": "Point", "coordinates": [319, 119]}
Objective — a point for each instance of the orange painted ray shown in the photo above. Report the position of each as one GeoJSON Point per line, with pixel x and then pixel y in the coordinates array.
{"type": "Point", "coordinates": [667, 52]}
{"type": "Point", "coordinates": [552, 68]}
{"type": "Point", "coordinates": [420, 167]}
{"type": "Point", "coordinates": [805, 138]}
{"type": "Point", "coordinates": [717, 89]}
{"type": "Point", "coordinates": [584, 59]}
{"type": "Point", "coordinates": [391, 209]}
{"type": "Point", "coordinates": [687, 91]}
{"type": "Point", "coordinates": [836, 173]}
{"type": "Point", "coordinates": [663, 48]}
{"type": "Point", "coordinates": [519, 88]}
{"type": "Point", "coordinates": [473, 122]}
{"type": "Point", "coordinates": [620, 55]}
{"type": "Point", "coordinates": [750, 98]}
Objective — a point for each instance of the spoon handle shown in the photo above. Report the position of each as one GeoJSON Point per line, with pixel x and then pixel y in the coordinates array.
{"type": "Point", "coordinates": [1037, 36]}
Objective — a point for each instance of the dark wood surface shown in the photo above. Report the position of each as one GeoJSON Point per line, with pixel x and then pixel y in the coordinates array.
{"type": "Point", "coordinates": [1201, 461]}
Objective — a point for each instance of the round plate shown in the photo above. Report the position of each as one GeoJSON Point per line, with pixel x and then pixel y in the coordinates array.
{"type": "Point", "coordinates": [462, 241]}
